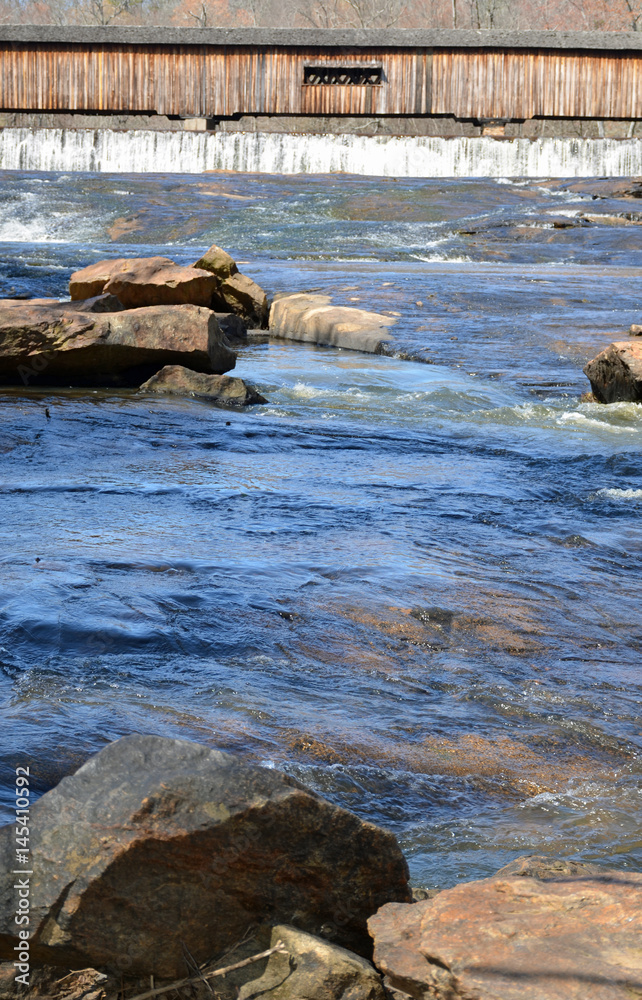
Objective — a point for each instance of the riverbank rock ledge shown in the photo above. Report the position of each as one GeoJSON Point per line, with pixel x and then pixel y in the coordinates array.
{"type": "Point", "coordinates": [313, 319]}
{"type": "Point", "coordinates": [558, 935]}
{"type": "Point", "coordinates": [46, 341]}
{"type": "Point", "coordinates": [156, 844]}
{"type": "Point", "coordinates": [616, 373]}
{"type": "Point", "coordinates": [175, 380]}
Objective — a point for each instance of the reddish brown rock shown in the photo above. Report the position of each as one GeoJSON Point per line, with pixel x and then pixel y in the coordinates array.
{"type": "Point", "coordinates": [52, 342]}
{"type": "Point", "coordinates": [156, 843]}
{"type": "Point", "coordinates": [175, 380]}
{"type": "Point", "coordinates": [616, 373]}
{"type": "Point", "coordinates": [145, 281]}
{"type": "Point", "coordinates": [564, 937]}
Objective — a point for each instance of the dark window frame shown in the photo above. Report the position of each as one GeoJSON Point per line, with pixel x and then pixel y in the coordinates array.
{"type": "Point", "coordinates": [329, 75]}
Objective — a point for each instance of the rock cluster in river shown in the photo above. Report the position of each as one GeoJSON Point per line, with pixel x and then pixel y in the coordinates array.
{"type": "Point", "coordinates": [163, 857]}
{"type": "Point", "coordinates": [131, 317]}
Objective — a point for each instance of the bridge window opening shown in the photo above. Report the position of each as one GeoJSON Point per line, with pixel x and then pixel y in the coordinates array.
{"type": "Point", "coordinates": [343, 76]}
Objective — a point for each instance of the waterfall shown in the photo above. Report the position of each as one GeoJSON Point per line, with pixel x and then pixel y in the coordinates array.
{"type": "Point", "coordinates": [139, 151]}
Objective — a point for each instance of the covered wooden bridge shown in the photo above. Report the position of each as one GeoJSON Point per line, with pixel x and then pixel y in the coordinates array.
{"type": "Point", "coordinates": [215, 74]}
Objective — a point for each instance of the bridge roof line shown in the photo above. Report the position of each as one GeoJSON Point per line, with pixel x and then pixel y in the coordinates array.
{"type": "Point", "coordinates": [605, 41]}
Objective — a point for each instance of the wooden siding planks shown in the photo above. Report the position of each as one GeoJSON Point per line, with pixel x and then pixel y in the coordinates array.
{"type": "Point", "coordinates": [219, 81]}
{"type": "Point", "coordinates": [549, 84]}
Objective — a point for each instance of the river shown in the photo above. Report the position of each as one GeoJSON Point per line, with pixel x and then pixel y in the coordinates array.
{"type": "Point", "coordinates": [411, 581]}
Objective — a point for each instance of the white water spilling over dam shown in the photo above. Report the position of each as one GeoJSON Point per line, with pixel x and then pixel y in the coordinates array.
{"type": "Point", "coordinates": [143, 151]}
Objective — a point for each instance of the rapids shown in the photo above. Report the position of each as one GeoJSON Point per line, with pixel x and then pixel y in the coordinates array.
{"type": "Point", "coordinates": [412, 581]}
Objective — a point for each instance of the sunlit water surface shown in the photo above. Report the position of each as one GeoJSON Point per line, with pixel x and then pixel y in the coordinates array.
{"type": "Point", "coordinates": [411, 581]}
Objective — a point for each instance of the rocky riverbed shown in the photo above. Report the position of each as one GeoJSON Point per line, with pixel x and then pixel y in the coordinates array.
{"type": "Point", "coordinates": [410, 587]}
{"type": "Point", "coordinates": [165, 862]}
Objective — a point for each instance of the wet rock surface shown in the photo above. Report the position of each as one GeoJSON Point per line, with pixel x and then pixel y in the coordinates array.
{"type": "Point", "coordinates": [52, 342]}
{"type": "Point", "coordinates": [156, 844]}
{"type": "Point", "coordinates": [616, 373]}
{"type": "Point", "coordinates": [221, 389]}
{"type": "Point", "coordinates": [571, 934]}
{"type": "Point", "coordinates": [313, 319]}
{"type": "Point", "coordinates": [145, 281]}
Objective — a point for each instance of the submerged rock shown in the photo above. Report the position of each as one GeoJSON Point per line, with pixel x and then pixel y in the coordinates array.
{"type": "Point", "coordinates": [178, 381]}
{"type": "Point", "coordinates": [312, 318]}
{"type": "Point", "coordinates": [567, 934]}
{"type": "Point", "coordinates": [145, 281]}
{"type": "Point", "coordinates": [155, 844]}
{"type": "Point", "coordinates": [616, 373]}
{"type": "Point", "coordinates": [52, 342]}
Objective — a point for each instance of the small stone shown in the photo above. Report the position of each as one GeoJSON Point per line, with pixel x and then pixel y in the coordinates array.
{"type": "Point", "coordinates": [314, 969]}
{"type": "Point", "coordinates": [221, 389]}
{"type": "Point", "coordinates": [635, 330]}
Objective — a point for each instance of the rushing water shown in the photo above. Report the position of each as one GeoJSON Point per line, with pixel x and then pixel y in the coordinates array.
{"type": "Point", "coordinates": [411, 581]}
{"type": "Point", "coordinates": [104, 150]}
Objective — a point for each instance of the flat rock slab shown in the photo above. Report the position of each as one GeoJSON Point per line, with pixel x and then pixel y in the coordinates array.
{"type": "Point", "coordinates": [145, 281]}
{"type": "Point", "coordinates": [53, 342]}
{"type": "Point", "coordinates": [616, 373]}
{"type": "Point", "coordinates": [175, 380]}
{"type": "Point", "coordinates": [314, 320]}
{"type": "Point", "coordinates": [567, 937]}
{"type": "Point", "coordinates": [155, 843]}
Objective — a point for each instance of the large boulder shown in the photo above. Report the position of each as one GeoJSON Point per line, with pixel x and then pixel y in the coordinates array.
{"type": "Point", "coordinates": [54, 342]}
{"type": "Point", "coordinates": [616, 373]}
{"type": "Point", "coordinates": [145, 281]}
{"type": "Point", "coordinates": [561, 936]}
{"type": "Point", "coordinates": [175, 380]}
{"type": "Point", "coordinates": [157, 845]}
{"type": "Point", "coordinates": [313, 319]}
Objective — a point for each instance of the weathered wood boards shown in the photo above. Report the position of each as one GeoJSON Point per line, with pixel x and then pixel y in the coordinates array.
{"type": "Point", "coordinates": [495, 78]}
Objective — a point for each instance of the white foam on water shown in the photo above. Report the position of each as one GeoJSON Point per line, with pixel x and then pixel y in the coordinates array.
{"type": "Point", "coordinates": [618, 494]}
{"type": "Point", "coordinates": [142, 151]}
